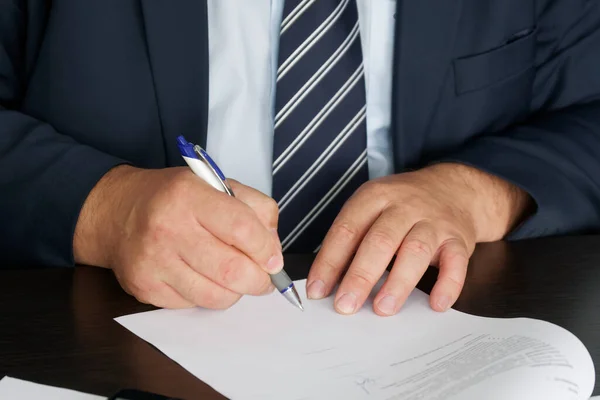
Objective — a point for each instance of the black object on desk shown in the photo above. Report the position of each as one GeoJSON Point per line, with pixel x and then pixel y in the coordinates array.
{"type": "Point", "coordinates": [57, 328]}
{"type": "Point", "coordinates": [134, 394]}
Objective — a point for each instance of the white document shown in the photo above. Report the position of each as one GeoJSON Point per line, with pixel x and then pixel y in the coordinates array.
{"type": "Point", "coordinates": [263, 348]}
{"type": "Point", "coordinates": [17, 389]}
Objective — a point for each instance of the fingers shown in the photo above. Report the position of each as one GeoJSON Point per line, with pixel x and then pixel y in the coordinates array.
{"type": "Point", "coordinates": [339, 246]}
{"type": "Point", "coordinates": [181, 287]}
{"type": "Point", "coordinates": [224, 265]}
{"type": "Point", "coordinates": [236, 224]}
{"type": "Point", "coordinates": [189, 244]}
{"type": "Point", "coordinates": [264, 206]}
{"type": "Point", "coordinates": [414, 257]}
{"type": "Point", "coordinates": [372, 258]}
{"type": "Point", "coordinates": [200, 290]}
{"type": "Point", "coordinates": [453, 261]}
{"type": "Point", "coordinates": [416, 246]}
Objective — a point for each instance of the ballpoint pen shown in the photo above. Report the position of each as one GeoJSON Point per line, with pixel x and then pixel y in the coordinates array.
{"type": "Point", "coordinates": [203, 166]}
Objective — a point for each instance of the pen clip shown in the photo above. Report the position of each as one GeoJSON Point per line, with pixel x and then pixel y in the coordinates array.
{"type": "Point", "coordinates": [204, 157]}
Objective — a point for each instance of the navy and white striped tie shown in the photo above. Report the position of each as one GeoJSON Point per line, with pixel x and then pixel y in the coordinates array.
{"type": "Point", "coordinates": [319, 150]}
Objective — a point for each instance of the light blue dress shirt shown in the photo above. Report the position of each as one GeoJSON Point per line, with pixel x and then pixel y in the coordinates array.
{"type": "Point", "coordinates": [243, 43]}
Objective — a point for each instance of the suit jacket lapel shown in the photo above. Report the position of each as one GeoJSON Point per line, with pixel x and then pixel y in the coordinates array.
{"type": "Point", "coordinates": [177, 38]}
{"type": "Point", "coordinates": [425, 32]}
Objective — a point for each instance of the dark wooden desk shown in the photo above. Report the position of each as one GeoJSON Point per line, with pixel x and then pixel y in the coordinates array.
{"type": "Point", "coordinates": [57, 328]}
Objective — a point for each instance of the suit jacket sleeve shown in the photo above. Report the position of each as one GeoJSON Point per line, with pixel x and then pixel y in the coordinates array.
{"type": "Point", "coordinates": [555, 155]}
{"type": "Point", "coordinates": [45, 176]}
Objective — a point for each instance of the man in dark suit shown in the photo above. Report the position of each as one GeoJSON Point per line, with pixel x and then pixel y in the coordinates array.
{"type": "Point", "coordinates": [358, 130]}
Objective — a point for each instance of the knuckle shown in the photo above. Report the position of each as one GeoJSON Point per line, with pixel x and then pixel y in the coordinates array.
{"type": "Point", "coordinates": [362, 277]}
{"type": "Point", "coordinates": [161, 232]}
{"type": "Point", "coordinates": [404, 284]}
{"type": "Point", "coordinates": [256, 282]}
{"type": "Point", "coordinates": [207, 298]}
{"type": "Point", "coordinates": [382, 241]}
{"type": "Point", "coordinates": [344, 231]}
{"type": "Point", "coordinates": [375, 188]}
{"type": "Point", "coordinates": [136, 284]}
{"type": "Point", "coordinates": [370, 186]}
{"type": "Point", "coordinates": [419, 248]}
{"type": "Point", "coordinates": [250, 234]}
{"type": "Point", "coordinates": [135, 260]}
{"type": "Point", "coordinates": [240, 273]}
{"type": "Point", "coordinates": [456, 253]}
{"type": "Point", "coordinates": [230, 271]}
{"type": "Point", "coordinates": [458, 259]}
{"type": "Point", "coordinates": [326, 266]}
{"type": "Point", "coordinates": [458, 283]}
{"type": "Point", "coordinates": [271, 206]}
{"type": "Point", "coordinates": [216, 299]}
{"type": "Point", "coordinates": [179, 187]}
{"type": "Point", "coordinates": [143, 298]}
{"type": "Point", "coordinates": [139, 287]}
{"type": "Point", "coordinates": [243, 229]}
{"type": "Point", "coordinates": [268, 211]}
{"type": "Point", "coordinates": [157, 227]}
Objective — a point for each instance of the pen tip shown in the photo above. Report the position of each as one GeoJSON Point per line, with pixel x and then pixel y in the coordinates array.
{"type": "Point", "coordinates": [292, 296]}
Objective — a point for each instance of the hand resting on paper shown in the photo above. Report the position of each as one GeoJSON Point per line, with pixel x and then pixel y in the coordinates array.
{"type": "Point", "coordinates": [433, 216]}
{"type": "Point", "coordinates": [174, 242]}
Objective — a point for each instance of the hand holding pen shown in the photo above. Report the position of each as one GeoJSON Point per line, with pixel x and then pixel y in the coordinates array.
{"type": "Point", "coordinates": [204, 167]}
{"type": "Point", "coordinates": [174, 242]}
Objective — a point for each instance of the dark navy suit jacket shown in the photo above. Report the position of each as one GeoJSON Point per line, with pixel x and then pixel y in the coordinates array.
{"type": "Point", "coordinates": [509, 86]}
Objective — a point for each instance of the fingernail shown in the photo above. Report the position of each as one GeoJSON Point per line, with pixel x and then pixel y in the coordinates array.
{"type": "Point", "coordinates": [347, 303]}
{"type": "Point", "coordinates": [443, 303]}
{"type": "Point", "coordinates": [275, 263]}
{"type": "Point", "coordinates": [387, 305]}
{"type": "Point", "coordinates": [316, 290]}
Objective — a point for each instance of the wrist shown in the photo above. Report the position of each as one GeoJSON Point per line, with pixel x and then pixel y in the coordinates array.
{"type": "Point", "coordinates": [495, 206]}
{"type": "Point", "coordinates": [97, 227]}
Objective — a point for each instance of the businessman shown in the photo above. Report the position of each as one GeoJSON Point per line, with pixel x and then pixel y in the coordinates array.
{"type": "Point", "coordinates": [359, 130]}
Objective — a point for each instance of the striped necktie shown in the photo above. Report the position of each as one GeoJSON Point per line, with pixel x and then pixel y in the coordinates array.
{"type": "Point", "coordinates": [319, 149]}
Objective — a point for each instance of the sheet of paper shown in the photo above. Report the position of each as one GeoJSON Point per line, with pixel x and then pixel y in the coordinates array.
{"type": "Point", "coordinates": [17, 389]}
{"type": "Point", "coordinates": [263, 348]}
